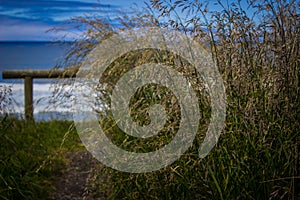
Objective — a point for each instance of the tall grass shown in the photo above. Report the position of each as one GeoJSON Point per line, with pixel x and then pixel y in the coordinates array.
{"type": "Point", "coordinates": [257, 156]}
{"type": "Point", "coordinates": [257, 53]}
{"type": "Point", "coordinates": [31, 156]}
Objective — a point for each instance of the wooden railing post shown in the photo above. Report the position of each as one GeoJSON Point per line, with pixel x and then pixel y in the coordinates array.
{"type": "Point", "coordinates": [28, 76]}
{"type": "Point", "coordinates": [28, 94]}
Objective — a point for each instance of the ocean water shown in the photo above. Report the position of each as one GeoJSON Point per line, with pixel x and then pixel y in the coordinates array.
{"type": "Point", "coordinates": [30, 55]}
{"type": "Point", "coordinates": [34, 56]}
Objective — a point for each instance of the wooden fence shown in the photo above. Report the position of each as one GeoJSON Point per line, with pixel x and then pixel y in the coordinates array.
{"type": "Point", "coordinates": [28, 76]}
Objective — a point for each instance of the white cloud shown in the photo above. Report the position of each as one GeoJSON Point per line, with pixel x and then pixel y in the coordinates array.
{"type": "Point", "coordinates": [33, 32]}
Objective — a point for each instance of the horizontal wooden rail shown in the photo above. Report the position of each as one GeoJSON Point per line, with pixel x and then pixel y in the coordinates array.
{"type": "Point", "coordinates": [14, 74]}
{"type": "Point", "coordinates": [28, 76]}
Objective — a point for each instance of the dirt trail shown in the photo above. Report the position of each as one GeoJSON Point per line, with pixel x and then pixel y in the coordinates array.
{"type": "Point", "coordinates": [75, 182]}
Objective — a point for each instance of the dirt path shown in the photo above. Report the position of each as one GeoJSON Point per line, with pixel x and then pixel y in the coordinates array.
{"type": "Point", "coordinates": [75, 182]}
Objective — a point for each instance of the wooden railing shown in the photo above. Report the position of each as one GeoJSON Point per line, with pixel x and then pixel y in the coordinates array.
{"type": "Point", "coordinates": [28, 76]}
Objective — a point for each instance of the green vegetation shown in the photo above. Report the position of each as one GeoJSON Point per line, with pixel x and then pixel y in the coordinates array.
{"type": "Point", "coordinates": [246, 163]}
{"type": "Point", "coordinates": [31, 156]}
{"type": "Point", "coordinates": [257, 155]}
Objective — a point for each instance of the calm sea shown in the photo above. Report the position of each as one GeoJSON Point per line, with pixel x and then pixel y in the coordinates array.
{"type": "Point", "coordinates": [32, 55]}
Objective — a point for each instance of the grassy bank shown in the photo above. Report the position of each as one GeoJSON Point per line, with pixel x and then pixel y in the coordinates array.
{"type": "Point", "coordinates": [31, 156]}
{"type": "Point", "coordinates": [254, 159]}
{"type": "Point", "coordinates": [257, 155]}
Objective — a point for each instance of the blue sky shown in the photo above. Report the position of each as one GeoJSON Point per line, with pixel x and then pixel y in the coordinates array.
{"type": "Point", "coordinates": [28, 20]}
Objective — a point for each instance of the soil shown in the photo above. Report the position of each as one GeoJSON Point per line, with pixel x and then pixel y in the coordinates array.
{"type": "Point", "coordinates": [76, 181]}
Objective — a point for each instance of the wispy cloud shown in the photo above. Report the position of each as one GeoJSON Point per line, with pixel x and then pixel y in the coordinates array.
{"type": "Point", "coordinates": [47, 10]}
{"type": "Point", "coordinates": [14, 29]}
{"type": "Point", "coordinates": [30, 19]}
